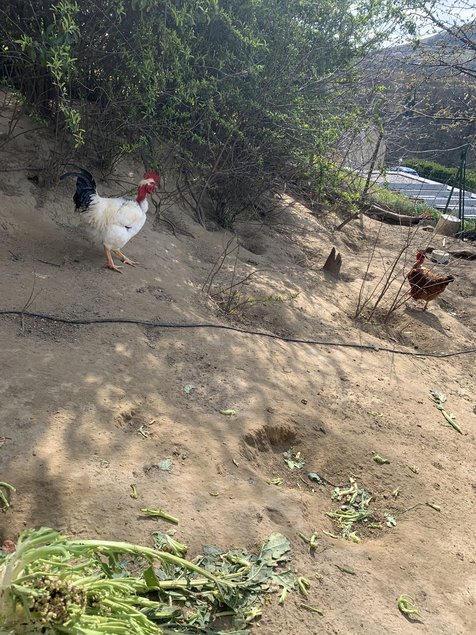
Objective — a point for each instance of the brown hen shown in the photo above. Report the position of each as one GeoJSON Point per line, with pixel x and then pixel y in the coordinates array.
{"type": "Point", "coordinates": [424, 284]}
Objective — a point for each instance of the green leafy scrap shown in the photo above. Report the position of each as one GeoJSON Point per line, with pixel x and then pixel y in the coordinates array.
{"type": "Point", "coordinates": [406, 605]}
{"type": "Point", "coordinates": [439, 398]}
{"type": "Point", "coordinates": [293, 459]}
{"type": "Point", "coordinates": [380, 459]}
{"type": "Point", "coordinates": [275, 550]}
{"type": "Point", "coordinates": [390, 520]}
{"type": "Point", "coordinates": [4, 502]}
{"type": "Point", "coordinates": [165, 542]}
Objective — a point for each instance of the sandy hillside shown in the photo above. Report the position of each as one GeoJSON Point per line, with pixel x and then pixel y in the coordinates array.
{"type": "Point", "coordinates": [89, 410]}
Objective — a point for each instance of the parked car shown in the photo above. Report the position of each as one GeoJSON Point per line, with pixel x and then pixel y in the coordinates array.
{"type": "Point", "coordinates": [403, 170]}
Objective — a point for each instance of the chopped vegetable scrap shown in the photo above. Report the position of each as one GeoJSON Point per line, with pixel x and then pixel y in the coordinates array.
{"type": "Point", "coordinates": [439, 398]}
{"type": "Point", "coordinates": [406, 605]}
{"type": "Point", "coordinates": [354, 508]}
{"type": "Point", "coordinates": [51, 584]}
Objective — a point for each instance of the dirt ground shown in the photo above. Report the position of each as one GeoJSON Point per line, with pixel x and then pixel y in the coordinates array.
{"type": "Point", "coordinates": [87, 411]}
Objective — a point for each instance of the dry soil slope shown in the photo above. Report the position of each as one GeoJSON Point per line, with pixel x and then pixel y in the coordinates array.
{"type": "Point", "coordinates": [73, 399]}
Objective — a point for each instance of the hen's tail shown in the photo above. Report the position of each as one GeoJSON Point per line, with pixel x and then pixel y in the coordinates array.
{"type": "Point", "coordinates": [448, 279]}
{"type": "Point", "coordinates": [85, 188]}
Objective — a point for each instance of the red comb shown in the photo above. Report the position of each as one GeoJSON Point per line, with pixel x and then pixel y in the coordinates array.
{"type": "Point", "coordinates": [152, 175]}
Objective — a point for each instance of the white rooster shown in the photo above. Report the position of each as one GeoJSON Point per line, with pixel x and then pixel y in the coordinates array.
{"type": "Point", "coordinates": [113, 221]}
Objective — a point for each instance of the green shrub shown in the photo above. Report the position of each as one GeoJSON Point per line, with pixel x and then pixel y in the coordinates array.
{"type": "Point", "coordinates": [241, 93]}
{"type": "Point", "coordinates": [442, 173]}
{"type": "Point", "coordinates": [401, 204]}
{"type": "Point", "coordinates": [352, 187]}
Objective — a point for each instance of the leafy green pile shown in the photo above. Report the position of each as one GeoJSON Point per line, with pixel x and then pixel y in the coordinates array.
{"type": "Point", "coordinates": [354, 508]}
{"type": "Point", "coordinates": [53, 585]}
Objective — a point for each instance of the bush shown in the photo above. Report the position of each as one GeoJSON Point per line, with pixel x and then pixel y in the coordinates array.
{"type": "Point", "coordinates": [442, 174]}
{"type": "Point", "coordinates": [352, 186]}
{"type": "Point", "coordinates": [238, 90]}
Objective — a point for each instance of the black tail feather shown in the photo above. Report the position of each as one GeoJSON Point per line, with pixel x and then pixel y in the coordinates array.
{"type": "Point", "coordinates": [85, 188]}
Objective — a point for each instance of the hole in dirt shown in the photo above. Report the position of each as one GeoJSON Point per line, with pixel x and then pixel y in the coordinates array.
{"type": "Point", "coordinates": [270, 438]}
{"type": "Point", "coordinates": [255, 246]}
{"type": "Point", "coordinates": [252, 242]}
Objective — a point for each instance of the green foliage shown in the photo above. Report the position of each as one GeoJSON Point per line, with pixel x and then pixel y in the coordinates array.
{"type": "Point", "coordinates": [399, 203]}
{"type": "Point", "coordinates": [442, 174]}
{"type": "Point", "coordinates": [236, 301]}
{"type": "Point", "coordinates": [42, 61]}
{"type": "Point", "coordinates": [349, 188]}
{"type": "Point", "coordinates": [246, 93]}
{"type": "Point", "coordinates": [470, 226]}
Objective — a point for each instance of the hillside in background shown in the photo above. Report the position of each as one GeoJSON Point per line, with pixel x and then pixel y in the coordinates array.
{"type": "Point", "coordinates": [433, 90]}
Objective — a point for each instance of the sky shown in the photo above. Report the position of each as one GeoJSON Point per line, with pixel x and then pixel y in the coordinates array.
{"type": "Point", "coordinates": [449, 12]}
{"type": "Point", "coordinates": [453, 12]}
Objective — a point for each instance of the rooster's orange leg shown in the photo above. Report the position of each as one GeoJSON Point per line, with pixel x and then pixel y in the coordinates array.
{"type": "Point", "coordinates": [110, 262]}
{"type": "Point", "coordinates": [125, 259]}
